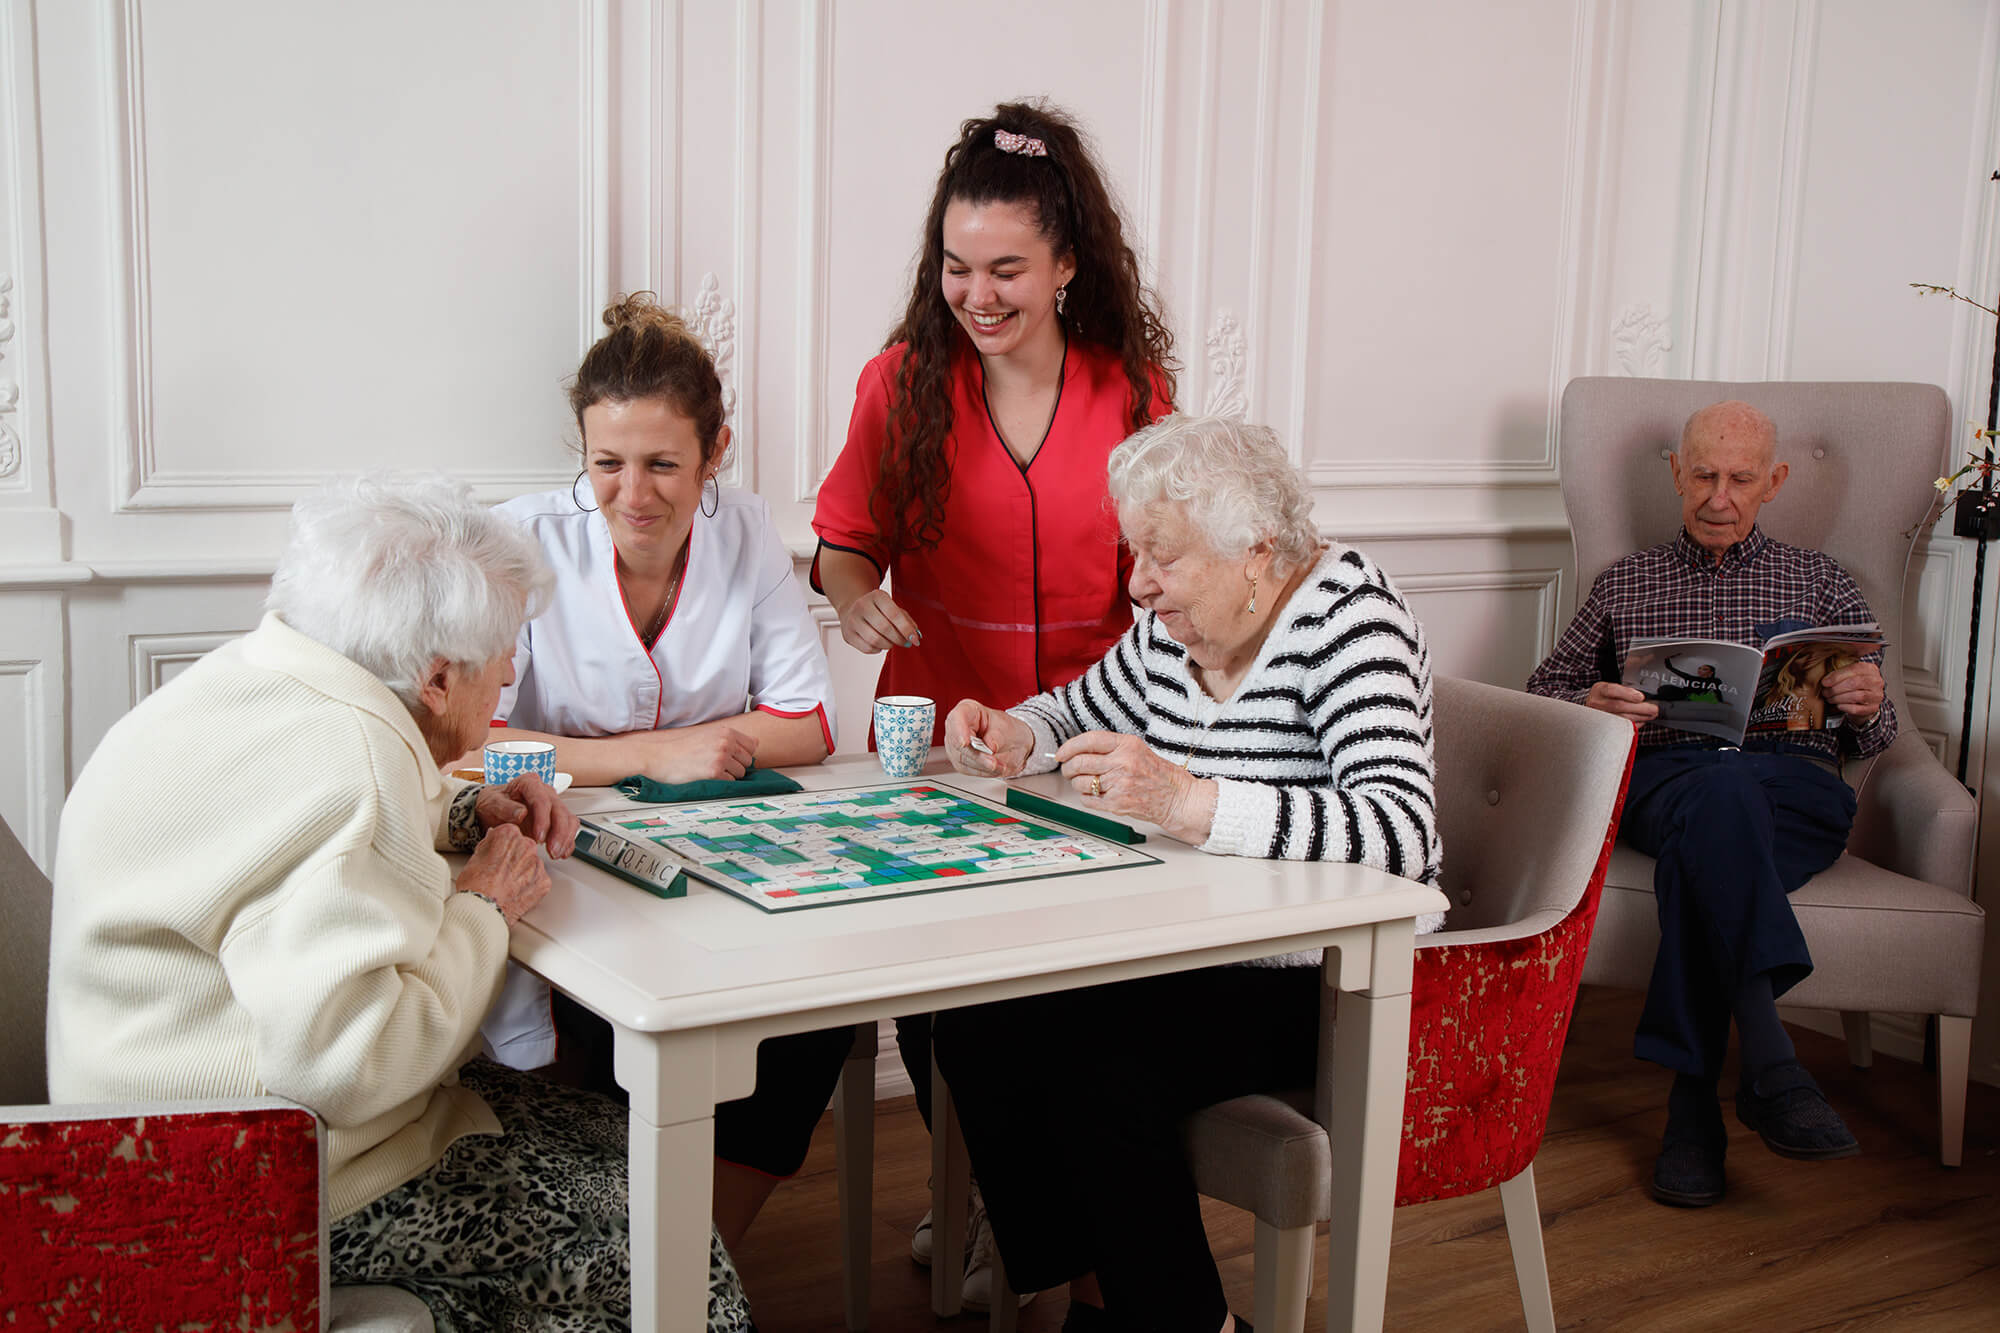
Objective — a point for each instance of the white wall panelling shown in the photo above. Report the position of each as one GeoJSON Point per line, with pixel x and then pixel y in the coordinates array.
{"type": "Point", "coordinates": [158, 658]}
{"type": "Point", "coordinates": [30, 527]}
{"type": "Point", "coordinates": [247, 245]}
{"type": "Point", "coordinates": [1484, 624]}
{"type": "Point", "coordinates": [32, 670]}
{"type": "Point", "coordinates": [216, 221]}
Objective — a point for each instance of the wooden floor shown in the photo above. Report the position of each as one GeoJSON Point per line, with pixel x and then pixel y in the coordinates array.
{"type": "Point", "coordinates": [1887, 1240]}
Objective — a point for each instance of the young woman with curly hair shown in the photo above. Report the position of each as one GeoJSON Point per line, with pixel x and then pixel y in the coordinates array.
{"type": "Point", "coordinates": [973, 473]}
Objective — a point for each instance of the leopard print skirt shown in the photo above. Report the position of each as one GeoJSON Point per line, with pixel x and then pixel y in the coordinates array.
{"type": "Point", "coordinates": [526, 1230]}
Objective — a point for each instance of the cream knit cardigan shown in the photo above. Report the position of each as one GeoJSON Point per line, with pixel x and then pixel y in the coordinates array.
{"type": "Point", "coordinates": [249, 900]}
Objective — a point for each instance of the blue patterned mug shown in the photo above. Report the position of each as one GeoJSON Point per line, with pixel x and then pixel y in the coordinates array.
{"type": "Point", "coordinates": [507, 760]}
{"type": "Point", "coordinates": [903, 733]}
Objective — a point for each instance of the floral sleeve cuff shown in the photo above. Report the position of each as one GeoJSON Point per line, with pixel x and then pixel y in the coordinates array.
{"type": "Point", "coordinates": [461, 824]}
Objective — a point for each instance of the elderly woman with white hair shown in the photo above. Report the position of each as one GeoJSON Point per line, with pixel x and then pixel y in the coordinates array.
{"type": "Point", "coordinates": [1273, 700]}
{"type": "Point", "coordinates": [250, 900]}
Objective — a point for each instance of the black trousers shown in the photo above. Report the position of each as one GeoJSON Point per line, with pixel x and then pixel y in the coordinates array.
{"type": "Point", "coordinates": [1734, 832]}
{"type": "Point", "coordinates": [767, 1131]}
{"type": "Point", "coordinates": [1072, 1105]}
{"type": "Point", "coordinates": [913, 1043]}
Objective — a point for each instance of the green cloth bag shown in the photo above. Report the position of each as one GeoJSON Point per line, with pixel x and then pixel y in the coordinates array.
{"type": "Point", "coordinates": [757, 782]}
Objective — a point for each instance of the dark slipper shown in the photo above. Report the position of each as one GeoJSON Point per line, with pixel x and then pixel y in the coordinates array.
{"type": "Point", "coordinates": [1688, 1173]}
{"type": "Point", "coordinates": [1789, 1112]}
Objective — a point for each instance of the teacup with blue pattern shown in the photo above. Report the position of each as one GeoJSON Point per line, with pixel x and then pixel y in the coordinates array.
{"type": "Point", "coordinates": [507, 760]}
{"type": "Point", "coordinates": [903, 725]}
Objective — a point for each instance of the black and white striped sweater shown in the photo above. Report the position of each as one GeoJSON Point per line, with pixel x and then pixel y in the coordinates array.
{"type": "Point", "coordinates": [1324, 751]}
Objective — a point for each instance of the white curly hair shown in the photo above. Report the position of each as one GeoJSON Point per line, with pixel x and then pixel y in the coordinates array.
{"type": "Point", "coordinates": [393, 572]}
{"type": "Point", "coordinates": [1231, 480]}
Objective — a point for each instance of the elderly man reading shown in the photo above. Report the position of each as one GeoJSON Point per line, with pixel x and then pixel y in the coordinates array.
{"type": "Point", "coordinates": [1734, 830]}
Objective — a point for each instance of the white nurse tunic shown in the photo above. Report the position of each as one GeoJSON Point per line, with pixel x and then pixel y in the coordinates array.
{"type": "Point", "coordinates": [739, 635]}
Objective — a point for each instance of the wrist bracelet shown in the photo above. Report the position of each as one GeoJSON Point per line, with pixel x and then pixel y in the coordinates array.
{"type": "Point", "coordinates": [491, 901]}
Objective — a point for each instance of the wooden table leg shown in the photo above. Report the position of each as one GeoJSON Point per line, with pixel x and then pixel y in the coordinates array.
{"type": "Point", "coordinates": [951, 1179]}
{"type": "Point", "coordinates": [671, 1159]}
{"type": "Point", "coordinates": [1371, 1049]}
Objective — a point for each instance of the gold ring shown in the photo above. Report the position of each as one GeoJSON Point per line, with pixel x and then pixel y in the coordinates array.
{"type": "Point", "coordinates": [1096, 787]}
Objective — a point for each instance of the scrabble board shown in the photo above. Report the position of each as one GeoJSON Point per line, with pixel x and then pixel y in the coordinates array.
{"type": "Point", "coordinates": [821, 848]}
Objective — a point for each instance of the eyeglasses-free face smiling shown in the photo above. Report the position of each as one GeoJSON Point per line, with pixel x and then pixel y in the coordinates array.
{"type": "Point", "coordinates": [646, 470]}
{"type": "Point", "coordinates": [1000, 276]}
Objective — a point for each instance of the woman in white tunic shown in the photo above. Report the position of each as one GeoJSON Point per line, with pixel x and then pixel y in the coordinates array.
{"type": "Point", "coordinates": [678, 646]}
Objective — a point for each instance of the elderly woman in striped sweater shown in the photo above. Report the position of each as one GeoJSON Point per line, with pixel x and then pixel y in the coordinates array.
{"type": "Point", "coordinates": [1273, 700]}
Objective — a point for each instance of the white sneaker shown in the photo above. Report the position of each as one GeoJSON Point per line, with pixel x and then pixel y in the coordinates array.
{"type": "Point", "coordinates": [979, 1256]}
{"type": "Point", "coordinates": [920, 1242]}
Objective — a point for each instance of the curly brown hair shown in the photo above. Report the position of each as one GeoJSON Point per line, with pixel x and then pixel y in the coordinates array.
{"type": "Point", "coordinates": [651, 352]}
{"type": "Point", "coordinates": [1108, 303]}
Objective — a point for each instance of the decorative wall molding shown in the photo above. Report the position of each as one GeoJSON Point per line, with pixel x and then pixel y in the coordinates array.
{"type": "Point", "coordinates": [1206, 96]}
{"type": "Point", "coordinates": [1926, 677]}
{"type": "Point", "coordinates": [594, 173]}
{"type": "Point", "coordinates": [1257, 313]}
{"type": "Point", "coordinates": [748, 203]}
{"type": "Point", "coordinates": [1586, 225]}
{"type": "Point", "coordinates": [140, 482]}
{"type": "Point", "coordinates": [1789, 234]}
{"type": "Point", "coordinates": [1227, 392]}
{"type": "Point", "coordinates": [814, 447]}
{"type": "Point", "coordinates": [1313, 100]}
{"type": "Point", "coordinates": [10, 388]}
{"type": "Point", "coordinates": [156, 657]}
{"type": "Point", "coordinates": [1546, 584]}
{"type": "Point", "coordinates": [1746, 225]}
{"type": "Point", "coordinates": [713, 318]}
{"type": "Point", "coordinates": [1156, 39]}
{"type": "Point", "coordinates": [1640, 341]}
{"type": "Point", "coordinates": [36, 828]}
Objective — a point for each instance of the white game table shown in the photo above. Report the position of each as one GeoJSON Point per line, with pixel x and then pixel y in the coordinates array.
{"type": "Point", "coordinates": [691, 986]}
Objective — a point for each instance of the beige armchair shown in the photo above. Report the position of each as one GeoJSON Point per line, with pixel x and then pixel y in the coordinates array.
{"type": "Point", "coordinates": [1529, 792]}
{"type": "Point", "coordinates": [1891, 925]}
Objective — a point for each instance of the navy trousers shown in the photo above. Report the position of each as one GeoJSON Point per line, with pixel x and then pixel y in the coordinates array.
{"type": "Point", "coordinates": [1734, 832]}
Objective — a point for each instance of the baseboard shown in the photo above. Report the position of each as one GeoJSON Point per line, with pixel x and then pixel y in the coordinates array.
{"type": "Point", "coordinates": [1898, 1035]}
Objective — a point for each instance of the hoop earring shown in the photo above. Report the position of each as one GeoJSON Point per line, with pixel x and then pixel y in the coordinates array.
{"type": "Point", "coordinates": [708, 510]}
{"type": "Point", "coordinates": [572, 494]}
{"type": "Point", "coordinates": [1062, 295]}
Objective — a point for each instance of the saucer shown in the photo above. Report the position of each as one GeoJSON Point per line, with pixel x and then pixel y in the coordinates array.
{"type": "Point", "coordinates": [561, 784]}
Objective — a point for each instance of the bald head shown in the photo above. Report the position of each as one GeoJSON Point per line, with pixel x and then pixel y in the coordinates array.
{"type": "Point", "coordinates": [1732, 422]}
{"type": "Point", "coordinates": [1725, 470]}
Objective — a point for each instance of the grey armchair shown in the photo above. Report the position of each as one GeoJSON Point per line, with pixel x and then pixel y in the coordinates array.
{"type": "Point", "coordinates": [1891, 925]}
{"type": "Point", "coordinates": [24, 970]}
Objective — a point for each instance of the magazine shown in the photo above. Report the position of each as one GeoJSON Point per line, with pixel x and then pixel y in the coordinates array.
{"type": "Point", "coordinates": [1733, 690]}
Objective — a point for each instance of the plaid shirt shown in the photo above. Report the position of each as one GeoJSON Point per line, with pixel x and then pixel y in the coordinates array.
{"type": "Point", "coordinates": [1678, 590]}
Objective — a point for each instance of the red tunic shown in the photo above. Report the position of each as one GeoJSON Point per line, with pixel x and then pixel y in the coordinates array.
{"type": "Point", "coordinates": [1027, 586]}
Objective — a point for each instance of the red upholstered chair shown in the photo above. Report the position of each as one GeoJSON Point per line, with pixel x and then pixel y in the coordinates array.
{"type": "Point", "coordinates": [182, 1213]}
{"type": "Point", "coordinates": [1529, 792]}
{"type": "Point", "coordinates": [156, 1215]}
